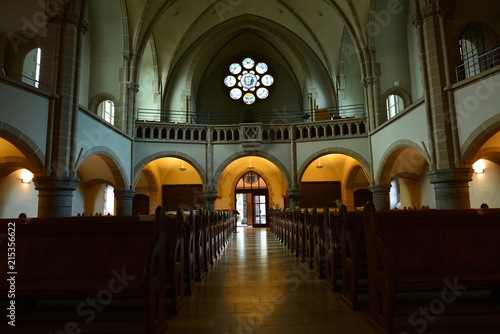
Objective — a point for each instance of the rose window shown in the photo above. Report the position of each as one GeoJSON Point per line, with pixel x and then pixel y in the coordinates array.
{"type": "Point", "coordinates": [248, 81]}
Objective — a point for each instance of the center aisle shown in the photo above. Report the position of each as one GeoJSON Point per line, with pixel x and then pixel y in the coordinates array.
{"type": "Point", "coordinates": [258, 286]}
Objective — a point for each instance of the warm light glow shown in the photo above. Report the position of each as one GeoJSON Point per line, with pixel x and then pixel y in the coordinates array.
{"type": "Point", "coordinates": [182, 168]}
{"type": "Point", "coordinates": [26, 176]}
{"type": "Point", "coordinates": [250, 166]}
{"type": "Point", "coordinates": [478, 166]}
{"type": "Point", "coordinates": [319, 164]}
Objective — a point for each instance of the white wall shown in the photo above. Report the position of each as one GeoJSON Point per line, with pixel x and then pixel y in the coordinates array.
{"type": "Point", "coordinates": [477, 103]}
{"type": "Point", "coordinates": [17, 197]}
{"type": "Point", "coordinates": [93, 133]}
{"type": "Point", "coordinates": [411, 126]}
{"type": "Point", "coordinates": [25, 111]}
{"type": "Point", "coordinates": [484, 187]}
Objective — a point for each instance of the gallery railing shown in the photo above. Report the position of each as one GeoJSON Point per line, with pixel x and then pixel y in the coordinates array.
{"type": "Point", "coordinates": [252, 132]}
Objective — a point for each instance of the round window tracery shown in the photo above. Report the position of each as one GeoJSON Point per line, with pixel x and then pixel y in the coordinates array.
{"type": "Point", "coordinates": [248, 81]}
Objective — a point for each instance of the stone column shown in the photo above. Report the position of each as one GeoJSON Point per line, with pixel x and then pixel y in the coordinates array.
{"type": "Point", "coordinates": [209, 196]}
{"type": "Point", "coordinates": [451, 187]}
{"type": "Point", "coordinates": [55, 195]}
{"type": "Point", "coordinates": [381, 196]}
{"type": "Point", "coordinates": [124, 199]}
{"type": "Point", "coordinates": [293, 195]}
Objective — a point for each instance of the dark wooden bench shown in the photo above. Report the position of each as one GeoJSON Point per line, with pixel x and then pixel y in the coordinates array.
{"type": "Point", "coordinates": [92, 256]}
{"type": "Point", "coordinates": [200, 244]}
{"type": "Point", "coordinates": [190, 253]}
{"type": "Point", "coordinates": [332, 248]}
{"type": "Point", "coordinates": [351, 234]}
{"type": "Point", "coordinates": [420, 249]}
{"type": "Point", "coordinates": [319, 243]}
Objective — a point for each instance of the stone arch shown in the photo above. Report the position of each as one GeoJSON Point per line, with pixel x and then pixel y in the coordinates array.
{"type": "Point", "coordinates": [169, 154]}
{"type": "Point", "coordinates": [224, 164]}
{"type": "Point", "coordinates": [231, 29]}
{"type": "Point", "coordinates": [112, 161]}
{"type": "Point", "coordinates": [240, 175]}
{"type": "Point", "coordinates": [34, 155]}
{"type": "Point", "coordinates": [401, 92]}
{"type": "Point", "coordinates": [418, 157]}
{"type": "Point", "coordinates": [97, 99]}
{"type": "Point", "coordinates": [471, 147]}
{"type": "Point", "coordinates": [333, 150]}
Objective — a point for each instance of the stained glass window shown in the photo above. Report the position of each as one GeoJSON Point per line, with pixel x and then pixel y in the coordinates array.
{"type": "Point", "coordinates": [245, 81]}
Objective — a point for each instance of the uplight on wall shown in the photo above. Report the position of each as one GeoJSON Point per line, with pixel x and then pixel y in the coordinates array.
{"type": "Point", "coordinates": [478, 166]}
{"type": "Point", "coordinates": [319, 165]}
{"type": "Point", "coordinates": [182, 168]}
{"type": "Point", "coordinates": [26, 176]}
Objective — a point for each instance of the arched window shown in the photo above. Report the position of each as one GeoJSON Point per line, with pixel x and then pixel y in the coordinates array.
{"type": "Point", "coordinates": [107, 111]}
{"type": "Point", "coordinates": [109, 200]}
{"type": "Point", "coordinates": [248, 80]}
{"type": "Point", "coordinates": [472, 48]}
{"type": "Point", "coordinates": [251, 180]}
{"type": "Point", "coordinates": [31, 67]}
{"type": "Point", "coordinates": [394, 104]}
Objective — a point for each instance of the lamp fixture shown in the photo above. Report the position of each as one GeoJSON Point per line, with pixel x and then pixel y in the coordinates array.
{"type": "Point", "coordinates": [319, 164]}
{"type": "Point", "coordinates": [26, 176]}
{"type": "Point", "coordinates": [182, 168]}
{"type": "Point", "coordinates": [250, 166]}
{"type": "Point", "coordinates": [478, 166]}
{"type": "Point", "coordinates": [26, 180]}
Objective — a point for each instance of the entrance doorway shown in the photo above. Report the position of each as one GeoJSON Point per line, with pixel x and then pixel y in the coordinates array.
{"type": "Point", "coordinates": [252, 201]}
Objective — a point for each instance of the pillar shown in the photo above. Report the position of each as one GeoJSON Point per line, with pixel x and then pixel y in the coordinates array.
{"type": "Point", "coordinates": [55, 195]}
{"type": "Point", "coordinates": [209, 196]}
{"type": "Point", "coordinates": [451, 187]}
{"type": "Point", "coordinates": [294, 197]}
{"type": "Point", "coordinates": [381, 196]}
{"type": "Point", "coordinates": [124, 200]}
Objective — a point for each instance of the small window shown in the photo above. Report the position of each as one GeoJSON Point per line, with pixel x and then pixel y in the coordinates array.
{"type": "Point", "coordinates": [107, 111]}
{"type": "Point", "coordinates": [31, 67]}
{"type": "Point", "coordinates": [109, 200]}
{"type": "Point", "coordinates": [394, 104]}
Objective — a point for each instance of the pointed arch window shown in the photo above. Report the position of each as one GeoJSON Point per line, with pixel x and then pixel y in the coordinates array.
{"type": "Point", "coordinates": [251, 180]}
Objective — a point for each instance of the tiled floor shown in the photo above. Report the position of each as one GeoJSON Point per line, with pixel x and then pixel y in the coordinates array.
{"type": "Point", "coordinates": [256, 286]}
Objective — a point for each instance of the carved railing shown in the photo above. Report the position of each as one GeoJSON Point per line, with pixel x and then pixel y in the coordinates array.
{"type": "Point", "coordinates": [251, 132]}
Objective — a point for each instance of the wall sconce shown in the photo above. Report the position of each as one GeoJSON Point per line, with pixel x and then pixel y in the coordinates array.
{"type": "Point", "coordinates": [182, 168]}
{"type": "Point", "coordinates": [250, 167]}
{"type": "Point", "coordinates": [478, 166]}
{"type": "Point", "coordinates": [26, 176]}
{"type": "Point", "coordinates": [26, 180]}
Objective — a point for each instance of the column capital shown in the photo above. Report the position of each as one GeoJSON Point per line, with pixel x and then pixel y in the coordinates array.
{"type": "Point", "coordinates": [124, 201]}
{"type": "Point", "coordinates": [55, 195]}
{"type": "Point", "coordinates": [381, 198]}
{"type": "Point", "coordinates": [451, 187]}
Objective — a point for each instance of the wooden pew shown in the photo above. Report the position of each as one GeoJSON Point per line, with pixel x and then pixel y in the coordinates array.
{"type": "Point", "coordinates": [92, 256]}
{"type": "Point", "coordinates": [189, 253]}
{"type": "Point", "coordinates": [440, 249]}
{"type": "Point", "coordinates": [319, 243]}
{"type": "Point", "coordinates": [332, 249]}
{"type": "Point", "coordinates": [201, 264]}
{"type": "Point", "coordinates": [353, 255]}
{"type": "Point", "coordinates": [175, 261]}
